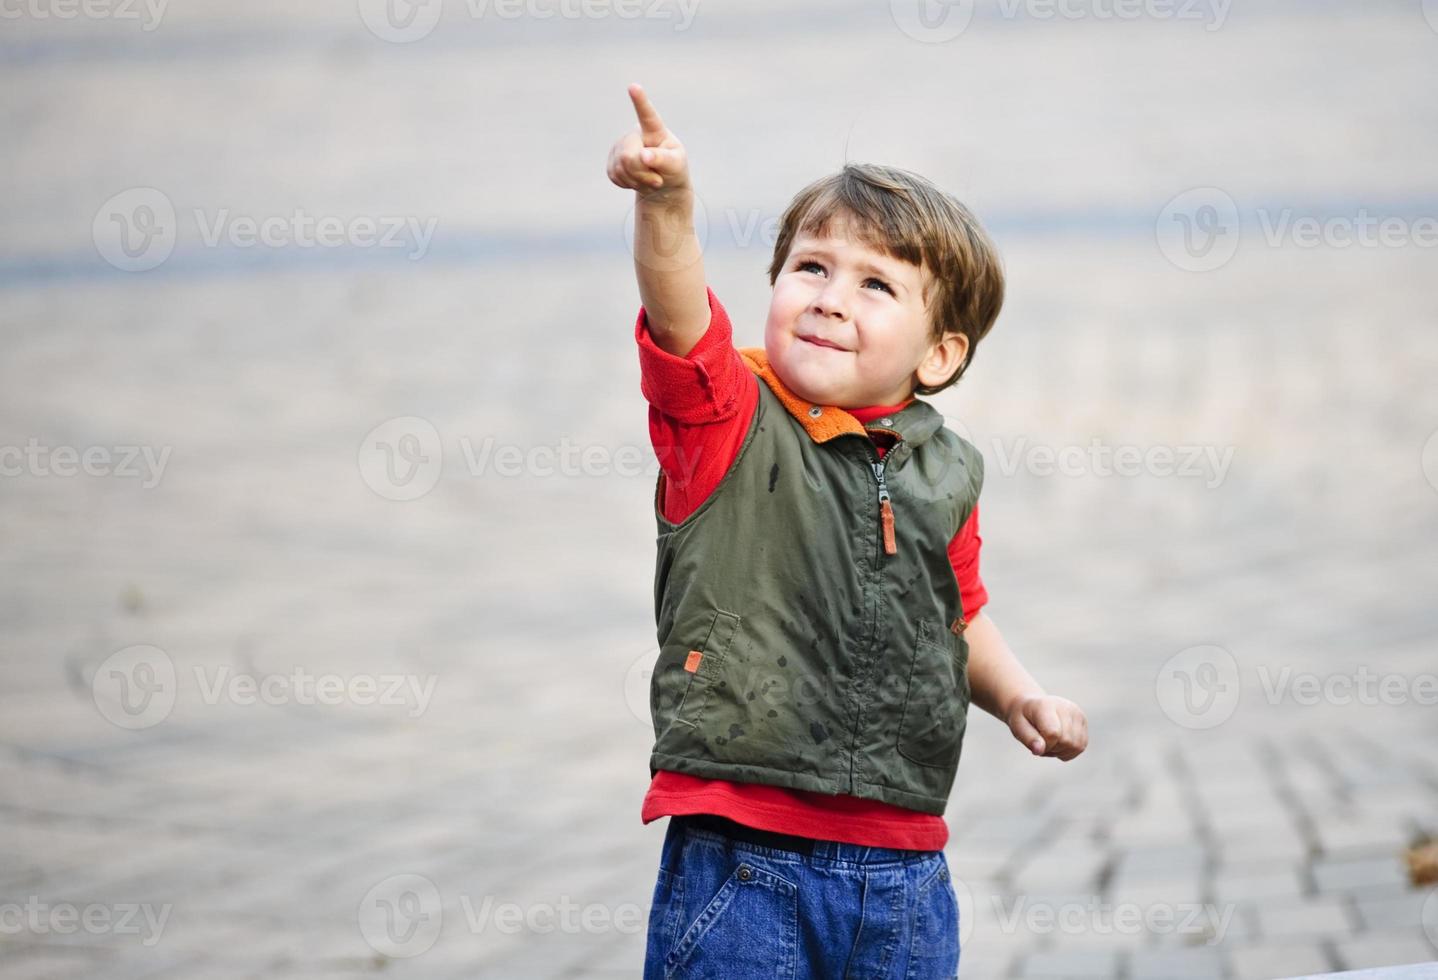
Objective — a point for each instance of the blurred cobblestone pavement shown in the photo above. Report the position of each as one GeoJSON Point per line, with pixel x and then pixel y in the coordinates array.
{"type": "Point", "coordinates": [262, 717]}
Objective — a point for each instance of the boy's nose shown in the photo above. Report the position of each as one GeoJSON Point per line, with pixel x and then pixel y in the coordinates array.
{"type": "Point", "coordinates": [830, 302]}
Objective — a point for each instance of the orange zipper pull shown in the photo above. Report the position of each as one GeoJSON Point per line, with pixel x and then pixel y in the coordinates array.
{"type": "Point", "coordinates": [886, 510]}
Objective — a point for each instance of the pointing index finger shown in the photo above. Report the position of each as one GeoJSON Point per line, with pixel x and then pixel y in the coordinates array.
{"type": "Point", "coordinates": [649, 121]}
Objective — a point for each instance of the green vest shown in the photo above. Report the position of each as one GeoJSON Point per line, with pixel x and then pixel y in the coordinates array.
{"type": "Point", "coordinates": [809, 623]}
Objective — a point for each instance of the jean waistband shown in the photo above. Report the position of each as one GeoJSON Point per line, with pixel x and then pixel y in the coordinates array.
{"type": "Point", "coordinates": [738, 831]}
{"type": "Point", "coordinates": [806, 846]}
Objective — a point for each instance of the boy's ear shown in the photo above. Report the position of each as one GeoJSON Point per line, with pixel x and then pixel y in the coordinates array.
{"type": "Point", "coordinates": [943, 359]}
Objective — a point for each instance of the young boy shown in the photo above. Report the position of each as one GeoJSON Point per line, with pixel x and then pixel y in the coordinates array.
{"type": "Point", "coordinates": [817, 589]}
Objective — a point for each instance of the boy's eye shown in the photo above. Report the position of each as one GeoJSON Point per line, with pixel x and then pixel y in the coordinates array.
{"type": "Point", "coordinates": [806, 264]}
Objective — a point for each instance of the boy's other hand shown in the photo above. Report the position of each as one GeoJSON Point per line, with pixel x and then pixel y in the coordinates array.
{"type": "Point", "coordinates": [650, 159]}
{"type": "Point", "coordinates": [1049, 725]}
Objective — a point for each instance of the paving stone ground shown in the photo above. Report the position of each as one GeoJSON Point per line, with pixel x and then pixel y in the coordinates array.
{"type": "Point", "coordinates": [260, 717]}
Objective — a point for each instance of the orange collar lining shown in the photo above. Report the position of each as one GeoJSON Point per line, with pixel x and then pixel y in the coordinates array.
{"type": "Point", "coordinates": [831, 421]}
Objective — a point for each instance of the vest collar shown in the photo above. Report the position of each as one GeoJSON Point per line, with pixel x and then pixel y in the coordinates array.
{"type": "Point", "coordinates": [913, 424]}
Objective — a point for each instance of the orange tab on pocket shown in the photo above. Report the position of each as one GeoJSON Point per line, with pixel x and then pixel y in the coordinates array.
{"type": "Point", "coordinates": [692, 663]}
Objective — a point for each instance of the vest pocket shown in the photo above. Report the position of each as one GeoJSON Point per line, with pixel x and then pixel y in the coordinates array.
{"type": "Point", "coordinates": [710, 669]}
{"type": "Point", "coordinates": [935, 711]}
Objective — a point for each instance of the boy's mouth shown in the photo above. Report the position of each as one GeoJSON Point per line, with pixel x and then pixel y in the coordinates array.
{"type": "Point", "coordinates": [821, 342]}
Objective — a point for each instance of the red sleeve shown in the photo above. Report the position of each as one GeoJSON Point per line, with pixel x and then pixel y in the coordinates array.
{"type": "Point", "coordinates": [964, 556]}
{"type": "Point", "coordinates": [700, 406]}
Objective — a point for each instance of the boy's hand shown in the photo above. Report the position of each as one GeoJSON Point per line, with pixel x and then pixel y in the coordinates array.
{"type": "Point", "coordinates": [1049, 725]}
{"type": "Point", "coordinates": [650, 158]}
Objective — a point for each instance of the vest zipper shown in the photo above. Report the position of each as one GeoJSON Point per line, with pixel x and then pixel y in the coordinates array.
{"type": "Point", "coordinates": [886, 510]}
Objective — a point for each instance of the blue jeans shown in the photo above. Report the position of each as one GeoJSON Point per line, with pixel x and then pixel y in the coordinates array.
{"type": "Point", "coordinates": [731, 909]}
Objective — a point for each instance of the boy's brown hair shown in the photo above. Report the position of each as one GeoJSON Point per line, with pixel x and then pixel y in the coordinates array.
{"type": "Point", "coordinates": [906, 217]}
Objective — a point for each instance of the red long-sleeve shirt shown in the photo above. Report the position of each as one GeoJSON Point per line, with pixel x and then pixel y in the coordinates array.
{"type": "Point", "coordinates": [700, 407]}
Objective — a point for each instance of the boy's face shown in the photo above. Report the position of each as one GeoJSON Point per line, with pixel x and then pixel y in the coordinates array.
{"type": "Point", "coordinates": [847, 324]}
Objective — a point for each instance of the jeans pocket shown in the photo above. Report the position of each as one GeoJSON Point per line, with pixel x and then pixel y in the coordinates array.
{"type": "Point", "coordinates": [935, 709]}
{"type": "Point", "coordinates": [664, 916]}
{"type": "Point", "coordinates": [934, 947]}
{"type": "Point", "coordinates": [748, 929]}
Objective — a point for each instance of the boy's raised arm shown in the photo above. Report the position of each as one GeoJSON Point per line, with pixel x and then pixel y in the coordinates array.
{"type": "Point", "coordinates": [668, 262]}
